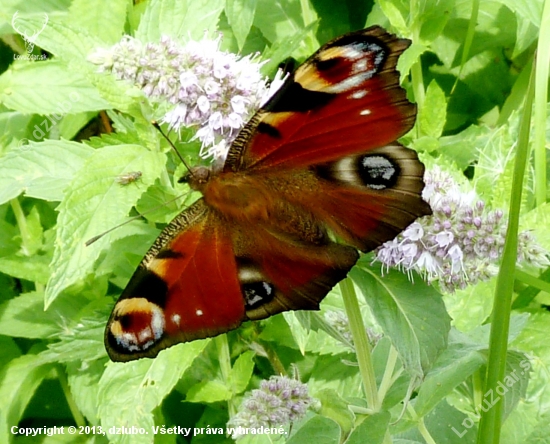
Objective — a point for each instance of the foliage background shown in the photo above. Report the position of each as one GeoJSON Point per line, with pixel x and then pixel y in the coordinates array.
{"type": "Point", "coordinates": [58, 189]}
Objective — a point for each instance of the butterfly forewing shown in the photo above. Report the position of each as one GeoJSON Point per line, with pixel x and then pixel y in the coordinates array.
{"type": "Point", "coordinates": [186, 288]}
{"type": "Point", "coordinates": [345, 99]}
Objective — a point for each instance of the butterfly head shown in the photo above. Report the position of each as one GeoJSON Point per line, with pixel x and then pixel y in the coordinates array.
{"type": "Point", "coordinates": [197, 177]}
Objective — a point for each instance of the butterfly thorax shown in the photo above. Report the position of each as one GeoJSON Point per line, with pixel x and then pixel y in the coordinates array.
{"type": "Point", "coordinates": [237, 196]}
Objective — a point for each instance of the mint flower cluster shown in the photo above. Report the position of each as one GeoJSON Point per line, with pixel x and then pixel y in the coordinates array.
{"type": "Point", "coordinates": [279, 401]}
{"type": "Point", "coordinates": [213, 90]}
{"type": "Point", "coordinates": [461, 243]}
{"type": "Point", "coordinates": [338, 320]}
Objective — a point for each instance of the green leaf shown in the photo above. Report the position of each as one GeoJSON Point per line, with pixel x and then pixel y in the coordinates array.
{"type": "Point", "coordinates": [35, 268]}
{"type": "Point", "coordinates": [541, 432]}
{"type": "Point", "coordinates": [537, 221]}
{"type": "Point", "coordinates": [10, 351]}
{"type": "Point", "coordinates": [240, 14]}
{"type": "Point", "coordinates": [463, 148]}
{"type": "Point", "coordinates": [527, 9]}
{"type": "Point", "coordinates": [395, 16]}
{"type": "Point", "coordinates": [81, 342]}
{"type": "Point", "coordinates": [154, 203]}
{"type": "Point", "coordinates": [208, 392]}
{"type": "Point", "coordinates": [408, 59]}
{"type": "Point", "coordinates": [48, 87]}
{"type": "Point", "coordinates": [179, 19]}
{"type": "Point", "coordinates": [433, 114]}
{"type": "Point", "coordinates": [93, 203]}
{"type": "Point", "coordinates": [121, 94]}
{"type": "Point", "coordinates": [336, 19]}
{"type": "Point", "coordinates": [84, 384]}
{"type": "Point", "coordinates": [18, 381]}
{"type": "Point", "coordinates": [334, 372]}
{"type": "Point", "coordinates": [516, 378]}
{"type": "Point", "coordinates": [299, 331]}
{"type": "Point", "coordinates": [106, 19]}
{"type": "Point", "coordinates": [13, 126]}
{"type": "Point", "coordinates": [24, 316]}
{"type": "Point", "coordinates": [242, 372]}
{"type": "Point", "coordinates": [318, 430]}
{"type": "Point", "coordinates": [283, 48]}
{"type": "Point", "coordinates": [334, 407]}
{"type": "Point", "coordinates": [446, 425]}
{"type": "Point", "coordinates": [433, 18]}
{"type": "Point", "coordinates": [413, 316]}
{"type": "Point", "coordinates": [470, 307]}
{"type": "Point", "coordinates": [282, 19]}
{"type": "Point", "coordinates": [372, 430]}
{"type": "Point", "coordinates": [277, 330]}
{"type": "Point", "coordinates": [129, 392]}
{"type": "Point", "coordinates": [454, 365]}
{"type": "Point", "coordinates": [41, 169]}
{"type": "Point", "coordinates": [71, 124]}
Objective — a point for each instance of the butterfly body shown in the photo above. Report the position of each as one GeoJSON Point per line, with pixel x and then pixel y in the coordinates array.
{"type": "Point", "coordinates": [319, 161]}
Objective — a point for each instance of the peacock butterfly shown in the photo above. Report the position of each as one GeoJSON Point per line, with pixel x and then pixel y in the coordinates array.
{"type": "Point", "coordinates": [319, 157]}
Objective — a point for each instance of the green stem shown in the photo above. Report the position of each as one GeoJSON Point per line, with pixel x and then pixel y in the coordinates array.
{"type": "Point", "coordinates": [22, 224]}
{"type": "Point", "coordinates": [491, 421]}
{"type": "Point", "coordinates": [387, 378]}
{"type": "Point", "coordinates": [532, 281]}
{"type": "Point", "coordinates": [79, 419]}
{"type": "Point", "coordinates": [417, 82]}
{"type": "Point", "coordinates": [477, 385]}
{"type": "Point", "coordinates": [424, 432]}
{"type": "Point", "coordinates": [362, 346]}
{"type": "Point", "coordinates": [224, 359]}
{"type": "Point", "coordinates": [541, 94]}
{"type": "Point", "coordinates": [361, 410]}
{"type": "Point", "coordinates": [468, 39]}
{"type": "Point", "coordinates": [275, 361]}
{"type": "Point", "coordinates": [420, 424]}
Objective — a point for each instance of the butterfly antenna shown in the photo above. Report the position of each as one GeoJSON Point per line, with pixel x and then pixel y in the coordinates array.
{"type": "Point", "coordinates": [99, 236]}
{"type": "Point", "coordinates": [157, 126]}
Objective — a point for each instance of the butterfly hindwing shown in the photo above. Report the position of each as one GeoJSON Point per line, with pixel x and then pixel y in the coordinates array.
{"type": "Point", "coordinates": [280, 271]}
{"type": "Point", "coordinates": [191, 284]}
{"type": "Point", "coordinates": [368, 199]}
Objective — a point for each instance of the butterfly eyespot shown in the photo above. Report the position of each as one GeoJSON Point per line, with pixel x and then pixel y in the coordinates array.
{"type": "Point", "coordinates": [257, 293]}
{"type": "Point", "coordinates": [378, 172]}
{"type": "Point", "coordinates": [255, 288]}
{"type": "Point", "coordinates": [136, 325]}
